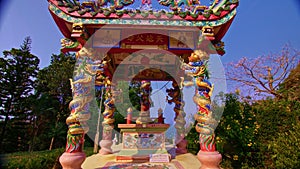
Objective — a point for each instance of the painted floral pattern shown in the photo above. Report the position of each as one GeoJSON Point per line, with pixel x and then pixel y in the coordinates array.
{"type": "Point", "coordinates": [141, 166]}
{"type": "Point", "coordinates": [143, 140]}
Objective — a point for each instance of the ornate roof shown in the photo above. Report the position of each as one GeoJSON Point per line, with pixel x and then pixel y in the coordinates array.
{"type": "Point", "coordinates": [78, 19]}
{"type": "Point", "coordinates": [190, 10]}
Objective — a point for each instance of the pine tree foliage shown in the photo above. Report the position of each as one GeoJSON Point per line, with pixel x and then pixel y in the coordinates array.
{"type": "Point", "coordinates": [18, 69]}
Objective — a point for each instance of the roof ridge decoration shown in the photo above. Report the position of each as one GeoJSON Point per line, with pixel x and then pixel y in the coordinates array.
{"type": "Point", "coordinates": [156, 9]}
{"type": "Point", "coordinates": [140, 20]}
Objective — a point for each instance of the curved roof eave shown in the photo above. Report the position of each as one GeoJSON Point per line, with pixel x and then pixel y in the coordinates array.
{"type": "Point", "coordinates": [212, 21]}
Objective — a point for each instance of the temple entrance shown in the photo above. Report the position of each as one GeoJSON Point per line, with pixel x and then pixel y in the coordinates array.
{"type": "Point", "coordinates": [146, 41]}
{"type": "Point", "coordinates": [107, 61]}
{"type": "Point", "coordinates": [144, 135]}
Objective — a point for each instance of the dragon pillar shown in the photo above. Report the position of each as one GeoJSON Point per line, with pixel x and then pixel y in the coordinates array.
{"type": "Point", "coordinates": [83, 95]}
{"type": "Point", "coordinates": [108, 122]}
{"type": "Point", "coordinates": [197, 69]}
{"type": "Point", "coordinates": [144, 116]}
{"type": "Point", "coordinates": [175, 93]}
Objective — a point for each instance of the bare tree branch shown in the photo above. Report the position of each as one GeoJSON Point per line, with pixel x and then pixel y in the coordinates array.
{"type": "Point", "coordinates": [266, 73]}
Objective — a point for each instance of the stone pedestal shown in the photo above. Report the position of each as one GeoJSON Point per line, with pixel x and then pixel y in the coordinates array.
{"type": "Point", "coordinates": [72, 160]}
{"type": "Point", "coordinates": [141, 140]}
{"type": "Point", "coordinates": [105, 147]}
{"type": "Point", "coordinates": [181, 147]}
{"type": "Point", "coordinates": [106, 141]}
{"type": "Point", "coordinates": [209, 160]}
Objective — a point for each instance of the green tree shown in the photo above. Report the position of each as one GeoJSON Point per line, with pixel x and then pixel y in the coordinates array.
{"type": "Point", "coordinates": [44, 109]}
{"type": "Point", "coordinates": [280, 122]}
{"type": "Point", "coordinates": [18, 69]}
{"type": "Point", "coordinates": [54, 82]}
{"type": "Point", "coordinates": [274, 124]}
{"type": "Point", "coordinates": [134, 95]}
{"type": "Point", "coordinates": [128, 97]}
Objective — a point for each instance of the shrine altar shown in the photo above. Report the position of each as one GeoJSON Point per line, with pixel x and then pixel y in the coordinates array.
{"type": "Point", "coordinates": [142, 140]}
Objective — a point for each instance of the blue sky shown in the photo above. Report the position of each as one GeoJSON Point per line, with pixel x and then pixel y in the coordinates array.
{"type": "Point", "coordinates": [260, 27]}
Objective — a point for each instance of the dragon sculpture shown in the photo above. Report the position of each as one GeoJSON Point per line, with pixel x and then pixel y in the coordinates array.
{"type": "Point", "coordinates": [118, 4]}
{"type": "Point", "coordinates": [82, 89]}
{"type": "Point", "coordinates": [108, 122]}
{"type": "Point", "coordinates": [177, 4]}
{"type": "Point", "coordinates": [197, 69]}
{"type": "Point", "coordinates": [144, 116]}
{"type": "Point", "coordinates": [102, 79]}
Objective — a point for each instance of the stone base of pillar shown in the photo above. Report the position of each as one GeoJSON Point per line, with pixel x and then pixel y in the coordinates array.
{"type": "Point", "coordinates": [209, 160]}
{"type": "Point", "coordinates": [181, 147]}
{"type": "Point", "coordinates": [72, 160]}
{"type": "Point", "coordinates": [105, 147]}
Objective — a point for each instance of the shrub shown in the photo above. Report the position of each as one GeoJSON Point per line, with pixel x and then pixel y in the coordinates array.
{"type": "Point", "coordinates": [38, 159]}
{"type": "Point", "coordinates": [237, 134]}
{"type": "Point", "coordinates": [285, 149]}
{"type": "Point", "coordinates": [192, 138]}
{"type": "Point", "coordinates": [26, 160]}
{"type": "Point", "coordinates": [278, 136]}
